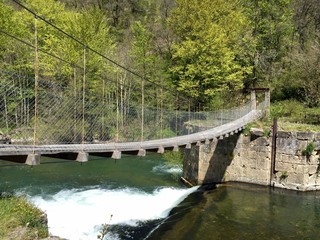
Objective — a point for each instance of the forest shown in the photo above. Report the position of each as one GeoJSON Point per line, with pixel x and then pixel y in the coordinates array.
{"type": "Point", "coordinates": [199, 54]}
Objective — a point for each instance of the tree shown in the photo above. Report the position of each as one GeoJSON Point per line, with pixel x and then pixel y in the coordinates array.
{"type": "Point", "coordinates": [300, 78]}
{"type": "Point", "coordinates": [306, 21]}
{"type": "Point", "coordinates": [205, 60]}
{"type": "Point", "coordinates": [271, 26]}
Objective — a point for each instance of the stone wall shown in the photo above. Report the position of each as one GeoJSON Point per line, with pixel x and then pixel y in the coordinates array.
{"type": "Point", "coordinates": [247, 159]}
{"type": "Point", "coordinates": [295, 168]}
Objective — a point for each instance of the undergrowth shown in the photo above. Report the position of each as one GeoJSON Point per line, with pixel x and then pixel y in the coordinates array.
{"type": "Point", "coordinates": [292, 116]}
{"type": "Point", "coordinates": [18, 213]}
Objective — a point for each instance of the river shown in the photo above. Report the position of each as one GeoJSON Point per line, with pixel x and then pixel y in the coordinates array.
{"type": "Point", "coordinates": [140, 198]}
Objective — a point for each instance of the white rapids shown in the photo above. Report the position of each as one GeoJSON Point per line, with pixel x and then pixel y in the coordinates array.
{"type": "Point", "coordinates": [79, 214]}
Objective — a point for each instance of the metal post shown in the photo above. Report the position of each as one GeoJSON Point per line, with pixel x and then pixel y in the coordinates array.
{"type": "Point", "coordinates": [75, 135]}
{"type": "Point", "coordinates": [267, 102]}
{"type": "Point", "coordinates": [83, 92]}
{"type": "Point", "coordinates": [177, 106]}
{"type": "Point", "coordinates": [273, 148]}
{"type": "Point", "coordinates": [189, 117]}
{"type": "Point", "coordinates": [161, 113]}
{"type": "Point", "coordinates": [253, 100]}
{"type": "Point", "coordinates": [117, 102]}
{"type": "Point", "coordinates": [36, 80]}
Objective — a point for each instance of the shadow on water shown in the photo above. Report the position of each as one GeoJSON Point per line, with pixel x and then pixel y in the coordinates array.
{"type": "Point", "coordinates": [243, 211]}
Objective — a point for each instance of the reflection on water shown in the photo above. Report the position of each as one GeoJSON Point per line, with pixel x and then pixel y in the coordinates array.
{"type": "Point", "coordinates": [240, 211]}
{"type": "Point", "coordinates": [141, 194]}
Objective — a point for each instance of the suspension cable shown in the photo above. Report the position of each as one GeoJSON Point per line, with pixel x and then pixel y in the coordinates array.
{"type": "Point", "coordinates": [83, 92]}
{"type": "Point", "coordinates": [36, 79]}
{"type": "Point", "coordinates": [39, 49]}
{"type": "Point", "coordinates": [117, 102]}
{"type": "Point", "coordinates": [89, 48]}
{"type": "Point", "coordinates": [61, 59]}
{"type": "Point", "coordinates": [142, 109]}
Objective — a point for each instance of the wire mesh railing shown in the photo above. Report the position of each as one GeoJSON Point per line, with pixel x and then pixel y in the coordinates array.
{"type": "Point", "coordinates": [64, 117]}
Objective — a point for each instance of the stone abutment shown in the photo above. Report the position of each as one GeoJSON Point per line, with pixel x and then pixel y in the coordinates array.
{"type": "Point", "coordinates": [241, 158]}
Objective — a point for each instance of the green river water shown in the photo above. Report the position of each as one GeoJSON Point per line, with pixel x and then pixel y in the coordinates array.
{"type": "Point", "coordinates": [141, 198]}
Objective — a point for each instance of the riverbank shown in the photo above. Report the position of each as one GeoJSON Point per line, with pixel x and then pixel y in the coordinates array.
{"type": "Point", "coordinates": [19, 219]}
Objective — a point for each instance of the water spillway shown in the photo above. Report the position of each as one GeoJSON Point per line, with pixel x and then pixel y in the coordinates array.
{"type": "Point", "coordinates": [79, 198]}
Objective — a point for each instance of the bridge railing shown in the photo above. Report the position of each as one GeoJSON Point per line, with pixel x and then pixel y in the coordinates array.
{"type": "Point", "coordinates": [64, 118]}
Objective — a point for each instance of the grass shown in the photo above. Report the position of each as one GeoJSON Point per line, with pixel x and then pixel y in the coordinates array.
{"type": "Point", "coordinates": [289, 126]}
{"type": "Point", "coordinates": [19, 219]}
{"type": "Point", "coordinates": [285, 125]}
{"type": "Point", "coordinates": [292, 116]}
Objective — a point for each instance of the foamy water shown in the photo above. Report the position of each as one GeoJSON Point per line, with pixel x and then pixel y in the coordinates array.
{"type": "Point", "coordinates": [167, 169]}
{"type": "Point", "coordinates": [79, 214]}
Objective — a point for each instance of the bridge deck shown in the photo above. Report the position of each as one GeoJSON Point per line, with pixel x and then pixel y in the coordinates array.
{"type": "Point", "coordinates": [129, 147]}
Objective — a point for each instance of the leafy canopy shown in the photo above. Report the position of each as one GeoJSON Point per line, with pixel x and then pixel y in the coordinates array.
{"type": "Point", "coordinates": [205, 61]}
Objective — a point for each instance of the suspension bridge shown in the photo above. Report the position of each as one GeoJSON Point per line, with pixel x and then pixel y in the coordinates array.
{"type": "Point", "coordinates": [58, 135]}
{"type": "Point", "coordinates": [67, 108]}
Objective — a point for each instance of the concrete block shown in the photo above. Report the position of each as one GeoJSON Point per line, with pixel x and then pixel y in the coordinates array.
{"type": "Point", "coordinates": [296, 178]}
{"type": "Point", "coordinates": [283, 166]}
{"type": "Point", "coordinates": [141, 153]}
{"type": "Point", "coordinates": [244, 139]}
{"type": "Point", "coordinates": [257, 132]}
{"type": "Point", "coordinates": [175, 148]}
{"type": "Point", "coordinates": [82, 157]}
{"type": "Point", "coordinates": [290, 146]}
{"type": "Point", "coordinates": [161, 149]}
{"type": "Point", "coordinates": [317, 145]}
{"type": "Point", "coordinates": [312, 169]}
{"type": "Point", "coordinates": [314, 159]}
{"type": "Point", "coordinates": [317, 136]}
{"type": "Point", "coordinates": [305, 135]}
{"type": "Point", "coordinates": [188, 146]}
{"type": "Point", "coordinates": [33, 159]}
{"type": "Point", "coordinates": [284, 134]}
{"type": "Point", "coordinates": [116, 154]}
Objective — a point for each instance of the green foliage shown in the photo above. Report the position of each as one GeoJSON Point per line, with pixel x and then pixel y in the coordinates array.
{"type": "Point", "coordinates": [303, 71]}
{"type": "Point", "coordinates": [266, 132]}
{"type": "Point", "coordinates": [246, 130]}
{"type": "Point", "coordinates": [29, 214]}
{"type": "Point", "coordinates": [206, 49]}
{"type": "Point", "coordinates": [166, 133]}
{"type": "Point", "coordinates": [17, 211]}
{"type": "Point", "coordinates": [270, 23]}
{"type": "Point", "coordinates": [308, 151]}
{"type": "Point", "coordinates": [291, 111]}
{"type": "Point", "coordinates": [284, 175]}
{"type": "Point", "coordinates": [204, 61]}
{"type": "Point", "coordinates": [289, 108]}
{"type": "Point", "coordinates": [173, 158]}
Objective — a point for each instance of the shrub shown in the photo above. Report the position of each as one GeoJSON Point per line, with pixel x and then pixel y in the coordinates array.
{"type": "Point", "coordinates": [19, 212]}
{"type": "Point", "coordinates": [290, 109]}
{"type": "Point", "coordinates": [308, 151]}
